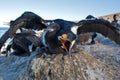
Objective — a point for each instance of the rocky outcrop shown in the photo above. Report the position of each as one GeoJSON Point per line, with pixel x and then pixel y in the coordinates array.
{"type": "Point", "coordinates": [80, 66]}
{"type": "Point", "coordinates": [109, 17]}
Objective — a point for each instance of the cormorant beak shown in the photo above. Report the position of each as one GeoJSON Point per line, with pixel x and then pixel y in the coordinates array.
{"type": "Point", "coordinates": [66, 43]}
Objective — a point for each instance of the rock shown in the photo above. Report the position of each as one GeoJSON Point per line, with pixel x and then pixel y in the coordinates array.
{"type": "Point", "coordinates": [80, 66]}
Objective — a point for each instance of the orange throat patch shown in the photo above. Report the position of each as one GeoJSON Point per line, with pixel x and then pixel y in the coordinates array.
{"type": "Point", "coordinates": [66, 44]}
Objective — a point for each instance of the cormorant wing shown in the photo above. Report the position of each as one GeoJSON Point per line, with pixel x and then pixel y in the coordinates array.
{"type": "Point", "coordinates": [24, 41]}
{"type": "Point", "coordinates": [29, 36]}
{"type": "Point", "coordinates": [27, 20]}
{"type": "Point", "coordinates": [100, 26]}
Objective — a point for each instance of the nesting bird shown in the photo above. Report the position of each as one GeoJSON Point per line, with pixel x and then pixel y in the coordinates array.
{"type": "Point", "coordinates": [58, 36]}
{"type": "Point", "coordinates": [65, 37]}
{"type": "Point", "coordinates": [24, 43]}
{"type": "Point", "coordinates": [28, 20]}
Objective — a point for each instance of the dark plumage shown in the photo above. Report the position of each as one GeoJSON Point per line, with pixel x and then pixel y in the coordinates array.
{"type": "Point", "coordinates": [61, 39]}
{"type": "Point", "coordinates": [23, 42]}
{"type": "Point", "coordinates": [27, 20]}
{"type": "Point", "coordinates": [69, 32]}
{"type": "Point", "coordinates": [100, 26]}
{"type": "Point", "coordinates": [59, 36]}
{"type": "Point", "coordinates": [49, 38]}
{"type": "Point", "coordinates": [93, 34]}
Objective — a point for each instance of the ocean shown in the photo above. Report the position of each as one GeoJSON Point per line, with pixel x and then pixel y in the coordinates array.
{"type": "Point", "coordinates": [3, 30]}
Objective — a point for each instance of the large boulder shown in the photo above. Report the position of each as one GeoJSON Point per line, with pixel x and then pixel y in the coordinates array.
{"type": "Point", "coordinates": [38, 66]}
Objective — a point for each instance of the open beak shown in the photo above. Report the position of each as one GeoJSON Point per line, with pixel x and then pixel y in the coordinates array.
{"type": "Point", "coordinates": [66, 44]}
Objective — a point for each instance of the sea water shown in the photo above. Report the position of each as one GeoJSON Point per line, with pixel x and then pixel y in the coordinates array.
{"type": "Point", "coordinates": [3, 30]}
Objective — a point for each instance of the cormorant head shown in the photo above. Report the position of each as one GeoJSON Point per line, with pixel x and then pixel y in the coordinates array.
{"type": "Point", "coordinates": [53, 27]}
{"type": "Point", "coordinates": [67, 41]}
{"type": "Point", "coordinates": [90, 17]}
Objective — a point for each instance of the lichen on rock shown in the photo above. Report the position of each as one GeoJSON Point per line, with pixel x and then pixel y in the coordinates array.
{"type": "Point", "coordinates": [80, 66]}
